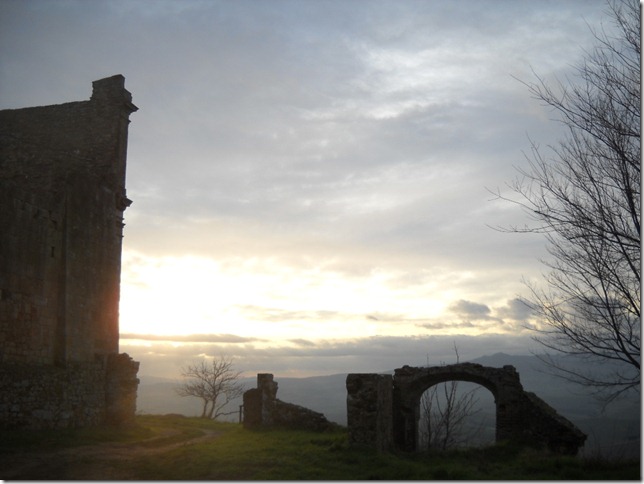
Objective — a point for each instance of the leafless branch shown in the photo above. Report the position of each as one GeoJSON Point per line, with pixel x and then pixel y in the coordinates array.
{"type": "Point", "coordinates": [215, 383]}
{"type": "Point", "coordinates": [584, 196]}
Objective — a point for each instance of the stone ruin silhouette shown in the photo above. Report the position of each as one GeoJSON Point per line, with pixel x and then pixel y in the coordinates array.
{"type": "Point", "coordinates": [262, 409]}
{"type": "Point", "coordinates": [383, 410]}
{"type": "Point", "coordinates": [62, 198]}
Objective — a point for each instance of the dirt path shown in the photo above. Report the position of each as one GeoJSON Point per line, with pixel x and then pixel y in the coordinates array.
{"type": "Point", "coordinates": [91, 462]}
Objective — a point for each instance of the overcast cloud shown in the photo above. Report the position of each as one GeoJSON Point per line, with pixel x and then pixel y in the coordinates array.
{"type": "Point", "coordinates": [315, 172]}
{"type": "Point", "coordinates": [321, 357]}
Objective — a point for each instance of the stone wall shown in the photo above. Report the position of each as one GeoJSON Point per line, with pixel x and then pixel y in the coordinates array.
{"type": "Point", "coordinates": [30, 265]}
{"type": "Point", "coordinates": [62, 198]}
{"type": "Point", "coordinates": [47, 396]}
{"type": "Point", "coordinates": [121, 385]}
{"type": "Point", "coordinates": [547, 427]}
{"type": "Point", "coordinates": [79, 394]}
{"type": "Point", "coordinates": [369, 410]}
{"type": "Point", "coordinates": [263, 409]}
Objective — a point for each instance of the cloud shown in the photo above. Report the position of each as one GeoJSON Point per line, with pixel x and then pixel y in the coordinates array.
{"type": "Point", "coordinates": [190, 338]}
{"type": "Point", "coordinates": [269, 314]}
{"type": "Point", "coordinates": [324, 357]}
{"type": "Point", "coordinates": [514, 317]}
{"type": "Point", "coordinates": [302, 342]}
{"type": "Point", "coordinates": [469, 309]}
{"type": "Point", "coordinates": [442, 325]}
{"type": "Point", "coordinates": [337, 150]}
{"type": "Point", "coordinates": [516, 309]}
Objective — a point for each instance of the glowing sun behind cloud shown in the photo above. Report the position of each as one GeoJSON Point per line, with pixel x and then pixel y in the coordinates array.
{"type": "Point", "coordinates": [263, 299]}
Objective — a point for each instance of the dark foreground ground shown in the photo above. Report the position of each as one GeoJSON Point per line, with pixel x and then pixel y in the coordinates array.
{"type": "Point", "coordinates": [178, 448]}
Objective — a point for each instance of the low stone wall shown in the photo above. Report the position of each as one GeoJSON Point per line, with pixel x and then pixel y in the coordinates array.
{"type": "Point", "coordinates": [297, 417]}
{"type": "Point", "coordinates": [548, 427]}
{"type": "Point", "coordinates": [263, 409]}
{"type": "Point", "coordinates": [77, 395]}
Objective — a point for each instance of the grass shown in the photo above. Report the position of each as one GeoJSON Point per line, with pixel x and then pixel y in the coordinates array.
{"type": "Point", "coordinates": [235, 453]}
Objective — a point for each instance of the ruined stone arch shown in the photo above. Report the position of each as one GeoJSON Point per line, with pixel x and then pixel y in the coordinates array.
{"type": "Point", "coordinates": [411, 383]}
{"type": "Point", "coordinates": [383, 410]}
{"type": "Point", "coordinates": [427, 382]}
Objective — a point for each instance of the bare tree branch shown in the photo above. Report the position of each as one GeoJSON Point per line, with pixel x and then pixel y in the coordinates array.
{"type": "Point", "coordinates": [585, 197]}
{"type": "Point", "coordinates": [215, 383]}
{"type": "Point", "coordinates": [444, 413]}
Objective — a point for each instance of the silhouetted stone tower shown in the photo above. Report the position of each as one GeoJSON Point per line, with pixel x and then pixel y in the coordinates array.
{"type": "Point", "coordinates": [62, 198]}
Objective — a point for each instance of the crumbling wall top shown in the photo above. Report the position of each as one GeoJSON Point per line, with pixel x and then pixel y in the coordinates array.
{"type": "Point", "coordinates": [111, 90]}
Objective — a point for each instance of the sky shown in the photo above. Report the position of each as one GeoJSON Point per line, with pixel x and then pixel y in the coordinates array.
{"type": "Point", "coordinates": [313, 179]}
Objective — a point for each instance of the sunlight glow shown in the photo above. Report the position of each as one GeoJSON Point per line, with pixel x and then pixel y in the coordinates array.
{"type": "Point", "coordinates": [263, 299]}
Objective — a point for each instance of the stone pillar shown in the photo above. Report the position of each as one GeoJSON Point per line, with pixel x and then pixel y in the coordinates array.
{"type": "Point", "coordinates": [369, 410]}
{"type": "Point", "coordinates": [259, 402]}
{"type": "Point", "coordinates": [121, 388]}
{"type": "Point", "coordinates": [252, 408]}
{"type": "Point", "coordinates": [268, 392]}
{"type": "Point", "coordinates": [509, 421]}
{"type": "Point", "coordinates": [406, 409]}
{"type": "Point", "coordinates": [406, 425]}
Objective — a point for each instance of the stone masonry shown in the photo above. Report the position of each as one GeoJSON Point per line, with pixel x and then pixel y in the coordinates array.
{"type": "Point", "coordinates": [62, 198]}
{"type": "Point", "coordinates": [370, 410]}
{"type": "Point", "coordinates": [383, 412]}
{"type": "Point", "coordinates": [263, 409]}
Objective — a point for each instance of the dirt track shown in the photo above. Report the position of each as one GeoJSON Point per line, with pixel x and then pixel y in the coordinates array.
{"type": "Point", "coordinates": [90, 462]}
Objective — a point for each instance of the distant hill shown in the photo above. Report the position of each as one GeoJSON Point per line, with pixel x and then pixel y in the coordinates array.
{"type": "Point", "coordinates": [616, 431]}
{"type": "Point", "coordinates": [325, 394]}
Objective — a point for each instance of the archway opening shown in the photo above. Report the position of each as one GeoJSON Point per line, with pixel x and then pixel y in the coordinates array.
{"type": "Point", "coordinates": [456, 414]}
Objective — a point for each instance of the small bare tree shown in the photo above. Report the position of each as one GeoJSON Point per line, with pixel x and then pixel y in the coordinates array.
{"type": "Point", "coordinates": [444, 413]}
{"type": "Point", "coordinates": [215, 383]}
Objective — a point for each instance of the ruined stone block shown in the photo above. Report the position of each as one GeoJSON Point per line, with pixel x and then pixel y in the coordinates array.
{"type": "Point", "coordinates": [263, 409]}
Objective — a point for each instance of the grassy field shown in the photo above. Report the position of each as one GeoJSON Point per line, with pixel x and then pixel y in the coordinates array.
{"type": "Point", "coordinates": [178, 448]}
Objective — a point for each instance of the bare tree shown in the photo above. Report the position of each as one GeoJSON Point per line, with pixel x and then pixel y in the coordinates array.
{"type": "Point", "coordinates": [585, 197]}
{"type": "Point", "coordinates": [444, 414]}
{"type": "Point", "coordinates": [215, 383]}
